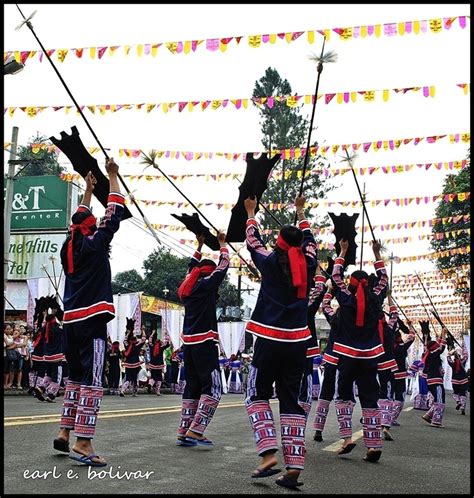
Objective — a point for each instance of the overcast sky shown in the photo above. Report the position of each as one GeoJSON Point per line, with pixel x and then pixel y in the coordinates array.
{"type": "Point", "coordinates": [387, 62]}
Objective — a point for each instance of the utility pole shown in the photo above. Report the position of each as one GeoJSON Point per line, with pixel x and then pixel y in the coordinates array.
{"type": "Point", "coordinates": [8, 213]}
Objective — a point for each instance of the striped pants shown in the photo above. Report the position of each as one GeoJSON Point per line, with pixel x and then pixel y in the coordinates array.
{"type": "Point", "coordinates": [85, 348]}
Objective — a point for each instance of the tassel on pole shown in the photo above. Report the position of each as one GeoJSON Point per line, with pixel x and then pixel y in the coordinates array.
{"type": "Point", "coordinates": [27, 22]}
{"type": "Point", "coordinates": [322, 59]}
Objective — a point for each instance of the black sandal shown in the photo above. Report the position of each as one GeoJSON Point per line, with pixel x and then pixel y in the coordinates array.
{"type": "Point", "coordinates": [61, 445]}
{"type": "Point", "coordinates": [373, 456]}
{"type": "Point", "coordinates": [258, 473]}
{"type": "Point", "coordinates": [289, 482]}
{"type": "Point", "coordinates": [346, 449]}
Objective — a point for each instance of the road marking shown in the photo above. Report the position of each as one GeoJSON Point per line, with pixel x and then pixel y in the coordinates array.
{"type": "Point", "coordinates": [124, 410]}
{"type": "Point", "coordinates": [48, 419]}
{"type": "Point", "coordinates": [408, 409]}
{"type": "Point", "coordinates": [337, 445]}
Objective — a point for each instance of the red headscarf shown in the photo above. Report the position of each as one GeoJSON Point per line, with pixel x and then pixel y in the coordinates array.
{"type": "Point", "coordinates": [156, 348]}
{"type": "Point", "coordinates": [187, 285]}
{"type": "Point", "coordinates": [457, 363]}
{"type": "Point", "coordinates": [297, 266]}
{"type": "Point", "coordinates": [131, 344]}
{"type": "Point", "coordinates": [37, 339]}
{"type": "Point", "coordinates": [381, 323]}
{"type": "Point", "coordinates": [49, 324]}
{"type": "Point", "coordinates": [431, 345]}
{"type": "Point", "coordinates": [360, 296]}
{"type": "Point", "coordinates": [85, 227]}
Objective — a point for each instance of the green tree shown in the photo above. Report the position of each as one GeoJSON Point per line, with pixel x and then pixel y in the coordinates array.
{"type": "Point", "coordinates": [284, 127]}
{"type": "Point", "coordinates": [450, 265]}
{"type": "Point", "coordinates": [127, 281]}
{"type": "Point", "coordinates": [165, 270]}
{"type": "Point", "coordinates": [228, 295]}
{"type": "Point", "coordinates": [41, 161]}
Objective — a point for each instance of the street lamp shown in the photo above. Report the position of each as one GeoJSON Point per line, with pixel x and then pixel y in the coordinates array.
{"type": "Point", "coordinates": [11, 66]}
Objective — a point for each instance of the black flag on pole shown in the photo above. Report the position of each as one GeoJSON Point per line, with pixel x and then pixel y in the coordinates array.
{"type": "Point", "coordinates": [83, 162]}
{"type": "Point", "coordinates": [195, 225]}
{"type": "Point", "coordinates": [254, 184]}
{"type": "Point", "coordinates": [344, 228]}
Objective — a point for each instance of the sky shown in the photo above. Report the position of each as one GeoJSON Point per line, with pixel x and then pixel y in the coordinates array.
{"type": "Point", "coordinates": [439, 59]}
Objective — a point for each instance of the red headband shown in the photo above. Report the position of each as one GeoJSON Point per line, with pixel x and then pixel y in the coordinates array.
{"type": "Point", "coordinates": [187, 285]}
{"type": "Point", "coordinates": [360, 296]}
{"type": "Point", "coordinates": [85, 227]}
{"type": "Point", "coordinates": [297, 265]}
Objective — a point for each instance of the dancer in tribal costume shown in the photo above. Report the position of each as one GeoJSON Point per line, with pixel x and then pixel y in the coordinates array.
{"type": "Point", "coordinates": [434, 378]}
{"type": "Point", "coordinates": [156, 364]}
{"type": "Point", "coordinates": [88, 306]}
{"type": "Point", "coordinates": [203, 389]}
{"type": "Point", "coordinates": [401, 345]}
{"type": "Point", "coordinates": [280, 322]}
{"type": "Point", "coordinates": [358, 346]}
{"type": "Point", "coordinates": [457, 362]}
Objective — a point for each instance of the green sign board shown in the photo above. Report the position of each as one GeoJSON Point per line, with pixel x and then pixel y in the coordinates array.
{"type": "Point", "coordinates": [40, 203]}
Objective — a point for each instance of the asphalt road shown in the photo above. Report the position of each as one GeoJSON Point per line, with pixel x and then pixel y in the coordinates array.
{"type": "Point", "coordinates": [137, 435]}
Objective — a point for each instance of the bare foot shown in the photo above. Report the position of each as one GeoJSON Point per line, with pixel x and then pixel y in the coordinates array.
{"type": "Point", "coordinates": [194, 435]}
{"type": "Point", "coordinates": [268, 461]}
{"type": "Point", "coordinates": [63, 434]}
{"type": "Point", "coordinates": [293, 474]}
{"type": "Point", "coordinates": [84, 447]}
{"type": "Point", "coordinates": [347, 447]}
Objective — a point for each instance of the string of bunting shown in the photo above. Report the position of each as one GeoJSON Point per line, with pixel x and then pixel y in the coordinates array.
{"type": "Point", "coordinates": [214, 104]}
{"type": "Point", "coordinates": [386, 227]}
{"type": "Point", "coordinates": [428, 256]}
{"type": "Point", "coordinates": [399, 240]}
{"type": "Point", "coordinates": [433, 255]}
{"type": "Point", "coordinates": [220, 45]}
{"type": "Point", "coordinates": [411, 278]}
{"type": "Point", "coordinates": [405, 168]}
{"type": "Point", "coordinates": [460, 196]}
{"type": "Point", "coordinates": [290, 153]}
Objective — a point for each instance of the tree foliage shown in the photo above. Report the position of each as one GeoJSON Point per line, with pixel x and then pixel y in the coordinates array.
{"type": "Point", "coordinates": [450, 265]}
{"type": "Point", "coordinates": [127, 281]}
{"type": "Point", "coordinates": [284, 127]}
{"type": "Point", "coordinates": [164, 270]}
{"type": "Point", "coordinates": [41, 161]}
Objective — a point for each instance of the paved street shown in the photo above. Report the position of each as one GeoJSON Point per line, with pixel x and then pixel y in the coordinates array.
{"type": "Point", "coordinates": [137, 435]}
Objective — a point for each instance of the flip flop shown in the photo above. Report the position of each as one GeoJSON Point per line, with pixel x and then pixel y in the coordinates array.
{"type": "Point", "coordinates": [195, 441]}
{"type": "Point", "coordinates": [186, 441]}
{"type": "Point", "coordinates": [39, 394]}
{"type": "Point", "coordinates": [387, 436]}
{"type": "Point", "coordinates": [373, 456]}
{"type": "Point", "coordinates": [346, 449]}
{"type": "Point", "coordinates": [318, 436]}
{"type": "Point", "coordinates": [88, 460]}
{"type": "Point", "coordinates": [288, 482]}
{"type": "Point", "coordinates": [61, 445]}
{"type": "Point", "coordinates": [259, 473]}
